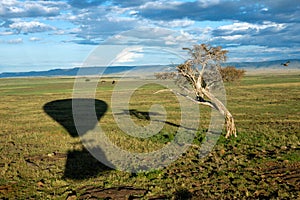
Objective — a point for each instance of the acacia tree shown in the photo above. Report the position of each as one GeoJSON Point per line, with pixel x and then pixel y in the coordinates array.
{"type": "Point", "coordinates": [201, 72]}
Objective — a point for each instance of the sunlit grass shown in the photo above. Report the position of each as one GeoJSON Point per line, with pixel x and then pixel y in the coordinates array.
{"type": "Point", "coordinates": [35, 148]}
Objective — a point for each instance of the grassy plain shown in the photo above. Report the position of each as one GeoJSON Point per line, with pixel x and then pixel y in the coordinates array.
{"type": "Point", "coordinates": [43, 158]}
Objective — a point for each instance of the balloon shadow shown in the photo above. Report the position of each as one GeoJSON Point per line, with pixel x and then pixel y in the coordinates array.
{"type": "Point", "coordinates": [79, 164]}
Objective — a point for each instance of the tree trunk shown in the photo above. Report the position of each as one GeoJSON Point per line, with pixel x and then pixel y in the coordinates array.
{"type": "Point", "coordinates": [218, 105]}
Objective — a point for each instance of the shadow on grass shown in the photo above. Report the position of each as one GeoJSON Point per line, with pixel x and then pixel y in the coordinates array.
{"type": "Point", "coordinates": [142, 115]}
{"type": "Point", "coordinates": [80, 164]}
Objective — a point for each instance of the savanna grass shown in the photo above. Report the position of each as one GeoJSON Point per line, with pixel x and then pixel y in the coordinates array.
{"type": "Point", "coordinates": [40, 159]}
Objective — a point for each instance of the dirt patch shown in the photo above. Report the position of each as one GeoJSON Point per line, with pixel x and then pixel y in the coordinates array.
{"type": "Point", "coordinates": [34, 160]}
{"type": "Point", "coordinates": [284, 173]}
{"type": "Point", "coordinates": [5, 189]}
{"type": "Point", "coordinates": [118, 193]}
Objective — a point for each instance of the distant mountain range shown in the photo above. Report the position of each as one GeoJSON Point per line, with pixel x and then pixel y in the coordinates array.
{"type": "Point", "coordinates": [86, 71]}
{"type": "Point", "coordinates": [90, 71]}
{"type": "Point", "coordinates": [292, 64]}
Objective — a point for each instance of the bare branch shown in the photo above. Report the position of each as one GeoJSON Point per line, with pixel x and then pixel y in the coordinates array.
{"type": "Point", "coordinates": [201, 72]}
{"type": "Point", "coordinates": [202, 57]}
{"type": "Point", "coordinates": [165, 90]}
{"type": "Point", "coordinates": [204, 102]}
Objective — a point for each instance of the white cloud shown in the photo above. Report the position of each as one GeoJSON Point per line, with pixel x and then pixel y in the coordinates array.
{"type": "Point", "coordinates": [15, 41]}
{"type": "Point", "coordinates": [254, 53]}
{"type": "Point", "coordinates": [160, 4]}
{"type": "Point", "coordinates": [244, 26]}
{"type": "Point", "coordinates": [30, 27]}
{"type": "Point", "coordinates": [147, 32]}
{"type": "Point", "coordinates": [232, 37]}
{"type": "Point", "coordinates": [34, 39]}
{"type": "Point", "coordinates": [19, 9]}
{"type": "Point", "coordinates": [60, 32]}
{"type": "Point", "coordinates": [207, 3]}
{"type": "Point", "coordinates": [180, 23]}
{"type": "Point", "coordinates": [97, 24]}
{"type": "Point", "coordinates": [181, 39]}
{"type": "Point", "coordinates": [158, 23]}
{"type": "Point", "coordinates": [133, 12]}
{"type": "Point", "coordinates": [129, 55]}
{"type": "Point", "coordinates": [6, 33]}
{"type": "Point", "coordinates": [9, 2]}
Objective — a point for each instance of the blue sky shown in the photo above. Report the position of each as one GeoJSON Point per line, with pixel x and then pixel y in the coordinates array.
{"type": "Point", "coordinates": [48, 34]}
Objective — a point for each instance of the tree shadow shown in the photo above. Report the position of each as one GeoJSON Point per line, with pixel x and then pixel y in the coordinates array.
{"type": "Point", "coordinates": [79, 164]}
{"type": "Point", "coordinates": [142, 115]}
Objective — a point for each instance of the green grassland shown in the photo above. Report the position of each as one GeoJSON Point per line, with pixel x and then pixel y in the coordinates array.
{"type": "Point", "coordinates": [42, 157]}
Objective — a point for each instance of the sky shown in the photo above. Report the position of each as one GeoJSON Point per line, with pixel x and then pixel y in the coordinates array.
{"type": "Point", "coordinates": [49, 34]}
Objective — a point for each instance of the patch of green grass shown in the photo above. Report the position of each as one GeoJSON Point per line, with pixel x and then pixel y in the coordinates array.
{"type": "Point", "coordinates": [41, 159]}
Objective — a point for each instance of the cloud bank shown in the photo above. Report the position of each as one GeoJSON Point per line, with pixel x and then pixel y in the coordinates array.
{"type": "Point", "coordinates": [249, 29]}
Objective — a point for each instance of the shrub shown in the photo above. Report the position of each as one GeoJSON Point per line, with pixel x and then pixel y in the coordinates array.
{"type": "Point", "coordinates": [165, 75]}
{"type": "Point", "coordinates": [231, 74]}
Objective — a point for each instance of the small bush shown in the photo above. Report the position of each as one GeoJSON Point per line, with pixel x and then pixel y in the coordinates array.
{"type": "Point", "coordinates": [165, 75]}
{"type": "Point", "coordinates": [231, 74]}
